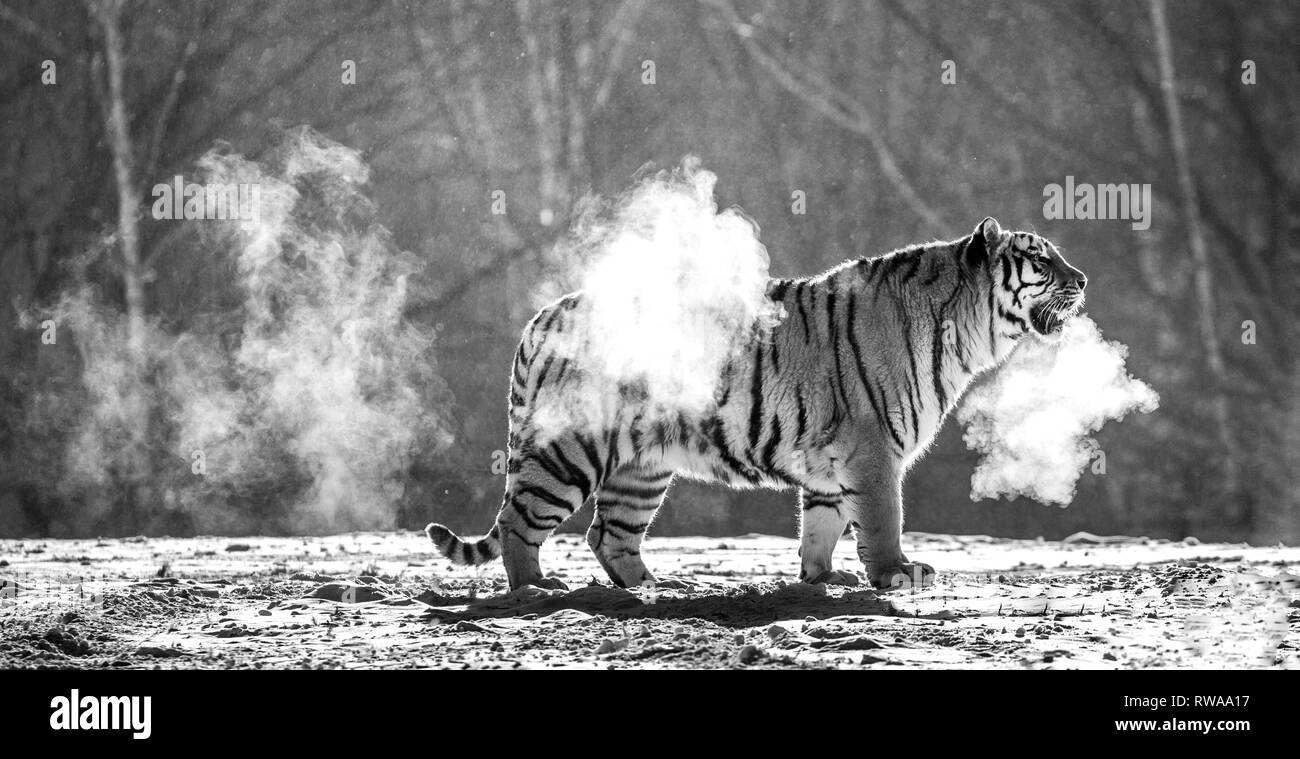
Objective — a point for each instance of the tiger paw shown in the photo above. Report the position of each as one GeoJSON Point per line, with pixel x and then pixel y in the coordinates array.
{"type": "Point", "coordinates": [837, 577]}
{"type": "Point", "coordinates": [907, 575]}
{"type": "Point", "coordinates": [669, 583]}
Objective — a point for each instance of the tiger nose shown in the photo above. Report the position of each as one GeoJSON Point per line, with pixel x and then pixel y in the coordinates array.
{"type": "Point", "coordinates": [1080, 281]}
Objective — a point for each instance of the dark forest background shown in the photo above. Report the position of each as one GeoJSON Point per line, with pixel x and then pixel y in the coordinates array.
{"type": "Point", "coordinates": [456, 104]}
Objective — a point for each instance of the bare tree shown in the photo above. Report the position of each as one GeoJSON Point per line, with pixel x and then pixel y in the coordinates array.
{"type": "Point", "coordinates": [837, 105]}
{"type": "Point", "coordinates": [572, 58]}
{"type": "Point", "coordinates": [1202, 266]}
{"type": "Point", "coordinates": [108, 15]}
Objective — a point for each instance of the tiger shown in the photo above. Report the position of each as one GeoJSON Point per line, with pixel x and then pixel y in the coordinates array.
{"type": "Point", "coordinates": [837, 400]}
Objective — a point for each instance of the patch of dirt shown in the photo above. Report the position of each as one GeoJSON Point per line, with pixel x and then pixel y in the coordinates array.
{"type": "Point", "coordinates": [383, 600]}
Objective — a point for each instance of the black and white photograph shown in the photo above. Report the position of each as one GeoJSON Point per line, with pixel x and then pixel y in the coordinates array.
{"type": "Point", "coordinates": [628, 334]}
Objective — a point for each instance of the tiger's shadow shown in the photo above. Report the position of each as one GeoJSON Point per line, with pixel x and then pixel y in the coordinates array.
{"type": "Point", "coordinates": [728, 607]}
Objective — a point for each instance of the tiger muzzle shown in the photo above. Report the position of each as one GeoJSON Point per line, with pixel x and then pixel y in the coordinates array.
{"type": "Point", "coordinates": [1049, 317]}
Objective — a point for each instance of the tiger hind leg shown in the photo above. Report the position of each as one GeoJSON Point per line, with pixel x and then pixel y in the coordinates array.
{"type": "Point", "coordinates": [625, 506]}
{"type": "Point", "coordinates": [545, 486]}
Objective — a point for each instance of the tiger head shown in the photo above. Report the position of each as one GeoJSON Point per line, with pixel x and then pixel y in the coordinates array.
{"type": "Point", "coordinates": [1035, 288]}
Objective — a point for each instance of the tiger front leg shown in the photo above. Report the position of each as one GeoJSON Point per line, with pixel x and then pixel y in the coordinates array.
{"type": "Point", "coordinates": [822, 517]}
{"type": "Point", "coordinates": [873, 486]}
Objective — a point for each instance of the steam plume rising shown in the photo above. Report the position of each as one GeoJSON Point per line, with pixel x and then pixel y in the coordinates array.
{"type": "Point", "coordinates": [1031, 422]}
{"type": "Point", "coordinates": [307, 396]}
{"type": "Point", "coordinates": [672, 289]}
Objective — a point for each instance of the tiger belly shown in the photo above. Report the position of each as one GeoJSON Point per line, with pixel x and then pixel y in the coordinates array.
{"type": "Point", "coordinates": [716, 458]}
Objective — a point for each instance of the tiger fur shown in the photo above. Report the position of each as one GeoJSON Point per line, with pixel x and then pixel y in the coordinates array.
{"type": "Point", "coordinates": [837, 400]}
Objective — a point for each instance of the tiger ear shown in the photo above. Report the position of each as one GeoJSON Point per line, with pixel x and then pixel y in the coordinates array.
{"type": "Point", "coordinates": [982, 240]}
{"type": "Point", "coordinates": [990, 230]}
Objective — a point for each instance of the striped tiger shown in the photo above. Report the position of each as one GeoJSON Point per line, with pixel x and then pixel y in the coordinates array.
{"type": "Point", "coordinates": [837, 400]}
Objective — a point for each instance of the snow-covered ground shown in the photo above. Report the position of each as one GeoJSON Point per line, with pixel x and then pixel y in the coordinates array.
{"type": "Point", "coordinates": [384, 600]}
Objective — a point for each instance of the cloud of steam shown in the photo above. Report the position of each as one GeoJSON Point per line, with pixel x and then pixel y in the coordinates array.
{"type": "Point", "coordinates": [1031, 422]}
{"type": "Point", "coordinates": [309, 399]}
{"type": "Point", "coordinates": [672, 290]}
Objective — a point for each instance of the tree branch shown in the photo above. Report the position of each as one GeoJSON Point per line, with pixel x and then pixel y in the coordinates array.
{"type": "Point", "coordinates": [33, 30]}
{"type": "Point", "coordinates": [167, 108]}
{"type": "Point", "coordinates": [839, 108]}
{"type": "Point", "coordinates": [617, 37]}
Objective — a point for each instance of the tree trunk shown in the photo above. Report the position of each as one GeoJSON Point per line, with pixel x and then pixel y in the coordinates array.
{"type": "Point", "coordinates": [543, 90]}
{"type": "Point", "coordinates": [108, 14]}
{"type": "Point", "coordinates": [1201, 265]}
